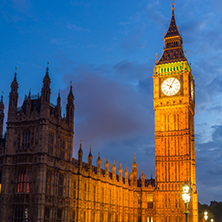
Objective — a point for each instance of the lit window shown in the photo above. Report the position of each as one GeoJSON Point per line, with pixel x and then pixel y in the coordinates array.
{"type": "Point", "coordinates": [0, 182]}
{"type": "Point", "coordinates": [149, 200]}
{"type": "Point", "coordinates": [23, 182]}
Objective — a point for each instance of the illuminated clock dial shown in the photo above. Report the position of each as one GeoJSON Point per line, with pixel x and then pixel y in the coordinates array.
{"type": "Point", "coordinates": [192, 90]}
{"type": "Point", "coordinates": [170, 86]}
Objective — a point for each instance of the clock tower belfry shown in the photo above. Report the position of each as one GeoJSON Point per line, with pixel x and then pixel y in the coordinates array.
{"type": "Point", "coordinates": [174, 103]}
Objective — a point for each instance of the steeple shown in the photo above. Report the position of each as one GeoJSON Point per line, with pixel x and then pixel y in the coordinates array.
{"type": "Point", "coordinates": [133, 174]}
{"type": "Point", "coordinates": [114, 170]}
{"type": "Point", "coordinates": [45, 93]}
{"type": "Point", "coordinates": [98, 164]}
{"type": "Point", "coordinates": [90, 157]}
{"type": "Point", "coordinates": [58, 105]}
{"type": "Point", "coordinates": [126, 174]}
{"type": "Point", "coordinates": [28, 104]}
{"type": "Point", "coordinates": [173, 51]}
{"type": "Point", "coordinates": [107, 166]}
{"type": "Point", "coordinates": [1, 116]}
{"type": "Point", "coordinates": [120, 173]}
{"type": "Point", "coordinates": [13, 98]}
{"type": "Point", "coordinates": [70, 107]}
{"type": "Point", "coordinates": [80, 154]}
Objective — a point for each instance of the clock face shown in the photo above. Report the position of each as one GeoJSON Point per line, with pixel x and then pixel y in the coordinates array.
{"type": "Point", "coordinates": [170, 86]}
{"type": "Point", "coordinates": [192, 90]}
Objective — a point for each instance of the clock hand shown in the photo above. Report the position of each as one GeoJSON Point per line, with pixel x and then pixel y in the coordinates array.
{"type": "Point", "coordinates": [172, 82]}
{"type": "Point", "coordinates": [170, 86]}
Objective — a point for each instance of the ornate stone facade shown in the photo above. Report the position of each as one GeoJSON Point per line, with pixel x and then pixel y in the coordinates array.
{"type": "Point", "coordinates": [41, 182]}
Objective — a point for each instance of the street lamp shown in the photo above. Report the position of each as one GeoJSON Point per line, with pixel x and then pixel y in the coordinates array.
{"type": "Point", "coordinates": [186, 198]}
{"type": "Point", "coordinates": [205, 215]}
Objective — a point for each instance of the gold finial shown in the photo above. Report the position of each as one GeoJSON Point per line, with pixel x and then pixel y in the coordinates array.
{"type": "Point", "coordinates": [173, 5]}
{"type": "Point", "coordinates": [156, 57]}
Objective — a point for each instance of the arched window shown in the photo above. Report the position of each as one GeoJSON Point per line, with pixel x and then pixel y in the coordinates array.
{"type": "Point", "coordinates": [23, 181]}
{"type": "Point", "coordinates": [62, 148]}
{"type": "Point", "coordinates": [26, 139]}
{"type": "Point", "coordinates": [50, 143]}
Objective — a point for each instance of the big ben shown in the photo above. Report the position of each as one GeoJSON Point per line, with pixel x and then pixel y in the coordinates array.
{"type": "Point", "coordinates": [174, 105]}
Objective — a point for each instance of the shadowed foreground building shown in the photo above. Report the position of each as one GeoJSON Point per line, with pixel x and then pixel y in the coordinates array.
{"type": "Point", "coordinates": [41, 182]}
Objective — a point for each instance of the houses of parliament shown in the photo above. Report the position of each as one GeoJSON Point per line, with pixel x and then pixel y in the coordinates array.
{"type": "Point", "coordinates": [40, 181]}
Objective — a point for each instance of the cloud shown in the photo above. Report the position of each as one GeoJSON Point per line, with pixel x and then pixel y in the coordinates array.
{"type": "Point", "coordinates": [208, 164]}
{"type": "Point", "coordinates": [76, 28]}
{"type": "Point", "coordinates": [113, 115]}
{"type": "Point", "coordinates": [131, 20]}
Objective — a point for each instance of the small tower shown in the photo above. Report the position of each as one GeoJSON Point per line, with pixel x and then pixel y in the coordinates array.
{"type": "Point", "coordinates": [98, 164]}
{"type": "Point", "coordinates": [45, 94]}
{"type": "Point", "coordinates": [70, 108]}
{"type": "Point", "coordinates": [58, 106]}
{"type": "Point", "coordinates": [13, 99]}
{"type": "Point", "coordinates": [114, 170]}
{"type": "Point", "coordinates": [107, 167]}
{"type": "Point", "coordinates": [1, 116]}
{"type": "Point", "coordinates": [126, 176]}
{"type": "Point", "coordinates": [90, 157]}
{"type": "Point", "coordinates": [28, 104]}
{"type": "Point", "coordinates": [120, 173]}
{"type": "Point", "coordinates": [80, 154]}
{"type": "Point", "coordinates": [133, 175]}
{"type": "Point", "coordinates": [143, 179]}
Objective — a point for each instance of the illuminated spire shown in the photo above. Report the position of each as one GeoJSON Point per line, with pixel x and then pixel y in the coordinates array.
{"type": "Point", "coordinates": [173, 51]}
{"type": "Point", "coordinates": [173, 5]}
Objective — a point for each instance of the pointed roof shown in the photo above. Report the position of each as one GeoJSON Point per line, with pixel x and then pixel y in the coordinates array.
{"type": "Point", "coordinates": [46, 79]}
{"type": "Point", "coordinates": [172, 31]}
{"type": "Point", "coordinates": [70, 95]}
{"type": "Point", "coordinates": [173, 51]}
{"type": "Point", "coordinates": [14, 83]}
{"type": "Point", "coordinates": [1, 103]}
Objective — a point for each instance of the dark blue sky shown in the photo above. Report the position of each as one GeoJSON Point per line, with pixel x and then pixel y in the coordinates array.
{"type": "Point", "coordinates": [107, 49]}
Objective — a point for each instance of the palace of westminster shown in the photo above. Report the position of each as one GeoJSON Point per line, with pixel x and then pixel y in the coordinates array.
{"type": "Point", "coordinates": [40, 181]}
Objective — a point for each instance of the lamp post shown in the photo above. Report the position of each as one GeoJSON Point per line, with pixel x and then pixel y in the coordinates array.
{"type": "Point", "coordinates": [186, 198]}
{"type": "Point", "coordinates": [205, 215]}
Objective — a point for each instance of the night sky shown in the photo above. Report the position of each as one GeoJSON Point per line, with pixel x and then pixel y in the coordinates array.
{"type": "Point", "coordinates": [107, 49]}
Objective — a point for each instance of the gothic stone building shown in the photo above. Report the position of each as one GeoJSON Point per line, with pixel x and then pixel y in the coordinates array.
{"type": "Point", "coordinates": [41, 182]}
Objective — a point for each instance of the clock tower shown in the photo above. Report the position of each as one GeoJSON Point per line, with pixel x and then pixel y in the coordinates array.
{"type": "Point", "coordinates": [174, 103]}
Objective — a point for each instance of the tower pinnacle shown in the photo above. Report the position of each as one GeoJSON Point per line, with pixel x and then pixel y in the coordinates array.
{"type": "Point", "coordinates": [173, 5]}
{"type": "Point", "coordinates": [173, 51]}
